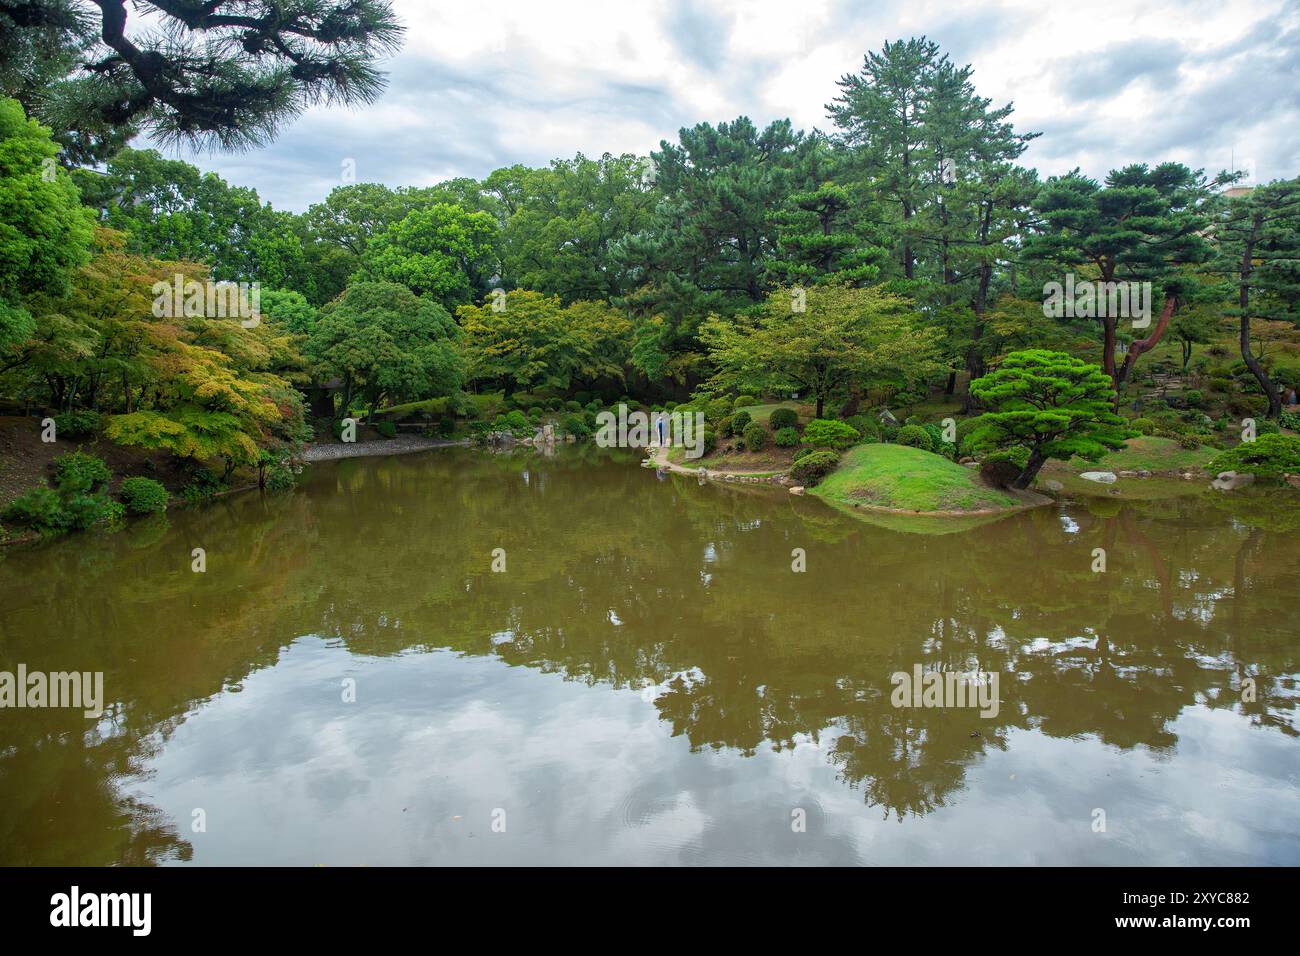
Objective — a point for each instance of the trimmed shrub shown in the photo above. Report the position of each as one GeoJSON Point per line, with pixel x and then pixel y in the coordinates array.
{"type": "Point", "coordinates": [755, 436]}
{"type": "Point", "coordinates": [1194, 398]}
{"type": "Point", "coordinates": [743, 400]}
{"type": "Point", "coordinates": [1268, 456]}
{"type": "Point", "coordinates": [517, 421]}
{"type": "Point", "coordinates": [1190, 441]}
{"type": "Point", "coordinates": [740, 421]}
{"type": "Point", "coordinates": [1145, 426]}
{"type": "Point", "coordinates": [572, 406]}
{"type": "Point", "coordinates": [445, 428]}
{"type": "Point", "coordinates": [76, 424]}
{"type": "Point", "coordinates": [814, 466]}
{"type": "Point", "coordinates": [916, 437]}
{"type": "Point", "coordinates": [866, 426]}
{"type": "Point", "coordinates": [828, 433]}
{"type": "Point", "coordinates": [725, 427]}
{"type": "Point", "coordinates": [783, 418]}
{"type": "Point", "coordinates": [786, 437]}
{"type": "Point", "coordinates": [386, 428]}
{"type": "Point", "coordinates": [143, 496]}
{"type": "Point", "coordinates": [709, 442]}
{"type": "Point", "coordinates": [1267, 426]}
{"type": "Point", "coordinates": [78, 472]}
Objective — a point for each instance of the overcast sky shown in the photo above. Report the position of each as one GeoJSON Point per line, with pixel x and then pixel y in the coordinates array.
{"type": "Point", "coordinates": [495, 82]}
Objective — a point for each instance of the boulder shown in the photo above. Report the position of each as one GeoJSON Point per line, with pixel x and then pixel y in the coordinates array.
{"type": "Point", "coordinates": [1051, 484]}
{"type": "Point", "coordinates": [1101, 477]}
{"type": "Point", "coordinates": [796, 490]}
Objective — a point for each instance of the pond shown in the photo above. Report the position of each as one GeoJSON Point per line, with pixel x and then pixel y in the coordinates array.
{"type": "Point", "coordinates": [461, 657]}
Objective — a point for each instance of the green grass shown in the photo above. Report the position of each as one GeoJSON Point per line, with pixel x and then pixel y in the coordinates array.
{"type": "Point", "coordinates": [896, 476]}
{"type": "Point", "coordinates": [430, 406]}
{"type": "Point", "coordinates": [762, 413]}
{"type": "Point", "coordinates": [1149, 452]}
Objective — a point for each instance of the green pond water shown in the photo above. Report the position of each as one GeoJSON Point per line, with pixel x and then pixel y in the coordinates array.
{"type": "Point", "coordinates": [648, 681]}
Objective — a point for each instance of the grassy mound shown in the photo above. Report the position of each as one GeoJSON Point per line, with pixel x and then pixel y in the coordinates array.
{"type": "Point", "coordinates": [1151, 453]}
{"type": "Point", "coordinates": [909, 479]}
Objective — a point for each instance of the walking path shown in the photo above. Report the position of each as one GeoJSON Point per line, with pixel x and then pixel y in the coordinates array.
{"type": "Point", "coordinates": [402, 445]}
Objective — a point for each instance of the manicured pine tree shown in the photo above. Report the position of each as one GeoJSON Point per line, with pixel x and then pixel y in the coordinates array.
{"type": "Point", "coordinates": [1049, 403]}
{"type": "Point", "coordinates": [1259, 254]}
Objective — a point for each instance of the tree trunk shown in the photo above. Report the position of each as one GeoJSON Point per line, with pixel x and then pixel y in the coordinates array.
{"type": "Point", "coordinates": [1243, 303]}
{"type": "Point", "coordinates": [1142, 346]}
{"type": "Point", "coordinates": [1032, 467]}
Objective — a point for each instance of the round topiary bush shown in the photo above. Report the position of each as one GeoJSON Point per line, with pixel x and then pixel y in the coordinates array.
{"type": "Point", "coordinates": [814, 466]}
{"type": "Point", "coordinates": [743, 400]}
{"type": "Point", "coordinates": [709, 441]}
{"type": "Point", "coordinates": [916, 437]}
{"type": "Point", "coordinates": [1194, 398]}
{"type": "Point", "coordinates": [786, 437]}
{"type": "Point", "coordinates": [740, 421]}
{"type": "Point", "coordinates": [783, 418]}
{"type": "Point", "coordinates": [755, 436]}
{"type": "Point", "coordinates": [828, 433]}
{"type": "Point", "coordinates": [78, 471]}
{"type": "Point", "coordinates": [1145, 426]}
{"type": "Point", "coordinates": [725, 427]}
{"type": "Point", "coordinates": [143, 496]}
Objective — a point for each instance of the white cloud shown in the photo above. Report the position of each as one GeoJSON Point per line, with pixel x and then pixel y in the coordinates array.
{"type": "Point", "coordinates": [503, 81]}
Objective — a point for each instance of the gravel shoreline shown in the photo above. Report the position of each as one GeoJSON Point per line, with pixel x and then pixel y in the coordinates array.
{"type": "Point", "coordinates": [402, 445]}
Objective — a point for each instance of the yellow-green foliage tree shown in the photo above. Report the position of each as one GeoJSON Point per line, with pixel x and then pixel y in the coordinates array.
{"type": "Point", "coordinates": [821, 341]}
{"type": "Point", "coordinates": [523, 340]}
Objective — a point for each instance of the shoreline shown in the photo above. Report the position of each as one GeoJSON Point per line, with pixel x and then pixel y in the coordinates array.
{"type": "Point", "coordinates": [402, 445]}
{"type": "Point", "coordinates": [1028, 499]}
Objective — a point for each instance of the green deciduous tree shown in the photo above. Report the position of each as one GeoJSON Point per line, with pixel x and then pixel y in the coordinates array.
{"type": "Point", "coordinates": [385, 342]}
{"type": "Point", "coordinates": [45, 232]}
{"type": "Point", "coordinates": [844, 337]}
{"type": "Point", "coordinates": [530, 340]}
{"type": "Point", "coordinates": [564, 221]}
{"type": "Point", "coordinates": [442, 251]}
